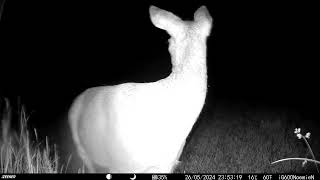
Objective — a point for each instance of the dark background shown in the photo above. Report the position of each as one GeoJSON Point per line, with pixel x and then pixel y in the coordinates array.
{"type": "Point", "coordinates": [262, 53]}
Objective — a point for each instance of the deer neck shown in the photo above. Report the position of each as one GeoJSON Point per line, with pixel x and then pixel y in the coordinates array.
{"type": "Point", "coordinates": [188, 57]}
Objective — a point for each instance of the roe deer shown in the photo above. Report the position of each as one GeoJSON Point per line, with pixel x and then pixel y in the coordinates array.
{"type": "Point", "coordinates": [142, 127]}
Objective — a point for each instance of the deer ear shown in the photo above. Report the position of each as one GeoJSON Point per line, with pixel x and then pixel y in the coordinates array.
{"type": "Point", "coordinates": [166, 20]}
{"type": "Point", "coordinates": [204, 20]}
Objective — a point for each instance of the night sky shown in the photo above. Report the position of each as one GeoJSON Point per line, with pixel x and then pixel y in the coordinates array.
{"type": "Point", "coordinates": [258, 53]}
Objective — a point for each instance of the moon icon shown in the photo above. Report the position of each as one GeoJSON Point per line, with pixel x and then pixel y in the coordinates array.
{"type": "Point", "coordinates": [134, 177]}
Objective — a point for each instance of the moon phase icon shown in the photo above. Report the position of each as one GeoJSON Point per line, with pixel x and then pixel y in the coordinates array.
{"type": "Point", "coordinates": [134, 177]}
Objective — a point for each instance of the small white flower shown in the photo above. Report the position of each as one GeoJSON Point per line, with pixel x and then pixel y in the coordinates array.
{"type": "Point", "coordinates": [297, 130]}
{"type": "Point", "coordinates": [308, 135]}
{"type": "Point", "coordinates": [299, 136]}
{"type": "Point", "coordinates": [304, 163]}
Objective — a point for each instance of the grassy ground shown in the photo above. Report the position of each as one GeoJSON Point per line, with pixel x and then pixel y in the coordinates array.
{"type": "Point", "coordinates": [226, 139]}
{"type": "Point", "coordinates": [242, 139]}
{"type": "Point", "coordinates": [19, 153]}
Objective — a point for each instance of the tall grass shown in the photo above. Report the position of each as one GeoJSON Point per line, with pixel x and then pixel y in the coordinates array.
{"type": "Point", "coordinates": [19, 153]}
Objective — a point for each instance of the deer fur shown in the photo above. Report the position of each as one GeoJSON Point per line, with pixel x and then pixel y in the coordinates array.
{"type": "Point", "coordinates": [142, 127]}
